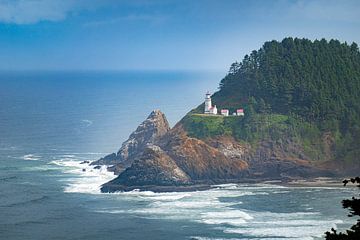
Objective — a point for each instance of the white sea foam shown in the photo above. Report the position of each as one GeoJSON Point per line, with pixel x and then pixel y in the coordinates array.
{"type": "Point", "coordinates": [232, 186]}
{"type": "Point", "coordinates": [70, 156]}
{"type": "Point", "coordinates": [205, 207]}
{"type": "Point", "coordinates": [297, 225]}
{"type": "Point", "coordinates": [294, 232]}
{"type": "Point", "coordinates": [84, 178]}
{"type": "Point", "coordinates": [31, 157]}
{"type": "Point", "coordinates": [227, 186]}
{"type": "Point", "coordinates": [170, 197]}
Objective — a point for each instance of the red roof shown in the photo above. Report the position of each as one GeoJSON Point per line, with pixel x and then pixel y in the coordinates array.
{"type": "Point", "coordinates": [240, 110]}
{"type": "Point", "coordinates": [224, 110]}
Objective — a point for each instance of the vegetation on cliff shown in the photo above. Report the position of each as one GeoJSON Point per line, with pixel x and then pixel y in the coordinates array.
{"type": "Point", "coordinates": [300, 89]}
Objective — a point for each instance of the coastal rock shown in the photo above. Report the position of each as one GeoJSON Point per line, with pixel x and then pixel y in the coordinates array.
{"type": "Point", "coordinates": [155, 126]}
{"type": "Point", "coordinates": [153, 167]}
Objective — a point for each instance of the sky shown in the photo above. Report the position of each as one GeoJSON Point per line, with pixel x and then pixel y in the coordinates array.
{"type": "Point", "coordinates": [159, 34]}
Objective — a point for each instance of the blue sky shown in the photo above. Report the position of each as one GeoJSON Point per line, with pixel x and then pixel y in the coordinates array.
{"type": "Point", "coordinates": [160, 35]}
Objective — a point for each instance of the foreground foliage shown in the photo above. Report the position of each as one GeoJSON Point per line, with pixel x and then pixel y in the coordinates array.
{"type": "Point", "coordinates": [353, 205]}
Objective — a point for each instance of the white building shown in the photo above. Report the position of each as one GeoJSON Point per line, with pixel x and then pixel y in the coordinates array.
{"type": "Point", "coordinates": [209, 109]}
{"type": "Point", "coordinates": [240, 112]}
{"type": "Point", "coordinates": [213, 110]}
{"type": "Point", "coordinates": [225, 112]}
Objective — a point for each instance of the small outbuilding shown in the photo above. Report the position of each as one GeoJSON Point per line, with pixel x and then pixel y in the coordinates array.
{"type": "Point", "coordinates": [225, 112]}
{"type": "Point", "coordinates": [240, 112]}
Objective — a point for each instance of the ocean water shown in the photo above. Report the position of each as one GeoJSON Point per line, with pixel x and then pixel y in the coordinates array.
{"type": "Point", "coordinates": [51, 121]}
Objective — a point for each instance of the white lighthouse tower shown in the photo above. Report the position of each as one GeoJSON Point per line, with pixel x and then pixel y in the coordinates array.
{"type": "Point", "coordinates": [209, 109]}
{"type": "Point", "coordinates": [208, 105]}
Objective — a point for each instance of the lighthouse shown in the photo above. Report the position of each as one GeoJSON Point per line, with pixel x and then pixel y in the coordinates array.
{"type": "Point", "coordinates": [207, 103]}
{"type": "Point", "coordinates": [209, 109]}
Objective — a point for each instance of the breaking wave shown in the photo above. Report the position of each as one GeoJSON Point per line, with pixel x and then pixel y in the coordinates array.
{"type": "Point", "coordinates": [31, 157]}
{"type": "Point", "coordinates": [83, 178]}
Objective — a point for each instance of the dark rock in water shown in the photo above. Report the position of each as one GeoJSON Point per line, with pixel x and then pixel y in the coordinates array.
{"type": "Point", "coordinates": [84, 170]}
{"type": "Point", "coordinates": [155, 126]}
{"type": "Point", "coordinates": [85, 162]}
{"type": "Point", "coordinates": [97, 167]}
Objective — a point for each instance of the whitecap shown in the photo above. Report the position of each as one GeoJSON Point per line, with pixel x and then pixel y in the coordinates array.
{"type": "Point", "coordinates": [230, 217]}
{"type": "Point", "coordinates": [31, 157]}
{"type": "Point", "coordinates": [297, 225]}
{"type": "Point", "coordinates": [68, 156]}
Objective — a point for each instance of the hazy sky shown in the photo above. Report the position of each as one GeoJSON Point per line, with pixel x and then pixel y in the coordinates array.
{"type": "Point", "coordinates": [174, 35]}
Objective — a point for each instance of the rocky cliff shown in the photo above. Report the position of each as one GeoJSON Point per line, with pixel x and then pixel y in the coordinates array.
{"type": "Point", "coordinates": [155, 126]}
{"type": "Point", "coordinates": [163, 159]}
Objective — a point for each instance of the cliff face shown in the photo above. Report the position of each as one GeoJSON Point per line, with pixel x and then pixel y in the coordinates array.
{"type": "Point", "coordinates": [172, 160]}
{"type": "Point", "coordinates": [155, 126]}
{"type": "Point", "coordinates": [201, 161]}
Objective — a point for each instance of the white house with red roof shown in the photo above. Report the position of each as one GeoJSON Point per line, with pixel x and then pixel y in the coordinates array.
{"type": "Point", "coordinates": [225, 112]}
{"type": "Point", "coordinates": [240, 112]}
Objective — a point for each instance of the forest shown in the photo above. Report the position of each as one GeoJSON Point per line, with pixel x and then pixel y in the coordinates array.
{"type": "Point", "coordinates": [295, 88]}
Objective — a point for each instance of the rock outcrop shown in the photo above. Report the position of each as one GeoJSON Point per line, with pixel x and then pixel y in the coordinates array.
{"type": "Point", "coordinates": [153, 168]}
{"type": "Point", "coordinates": [161, 159]}
{"type": "Point", "coordinates": [155, 126]}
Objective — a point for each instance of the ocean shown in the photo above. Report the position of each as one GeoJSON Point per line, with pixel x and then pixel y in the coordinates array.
{"type": "Point", "coordinates": [52, 121]}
